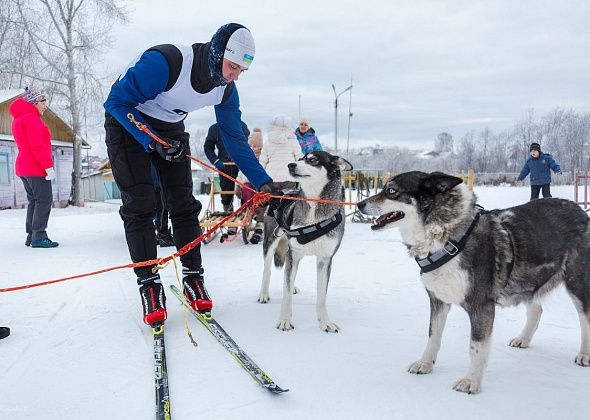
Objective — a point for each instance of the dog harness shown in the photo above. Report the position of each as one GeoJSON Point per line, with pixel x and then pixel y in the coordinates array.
{"type": "Point", "coordinates": [450, 249]}
{"type": "Point", "coordinates": [308, 233]}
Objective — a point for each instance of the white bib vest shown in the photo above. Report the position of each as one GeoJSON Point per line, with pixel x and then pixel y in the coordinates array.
{"type": "Point", "coordinates": [173, 105]}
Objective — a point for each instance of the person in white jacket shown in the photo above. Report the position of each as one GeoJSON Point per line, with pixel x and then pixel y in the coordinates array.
{"type": "Point", "coordinates": [280, 149]}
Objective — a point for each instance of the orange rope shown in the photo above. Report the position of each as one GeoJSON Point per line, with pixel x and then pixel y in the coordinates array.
{"type": "Point", "coordinates": [156, 262]}
{"type": "Point", "coordinates": [256, 200]}
{"type": "Point", "coordinates": [144, 128]}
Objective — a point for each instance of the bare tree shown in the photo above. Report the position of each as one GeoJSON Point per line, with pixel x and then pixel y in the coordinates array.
{"type": "Point", "coordinates": [61, 44]}
{"type": "Point", "coordinates": [443, 143]}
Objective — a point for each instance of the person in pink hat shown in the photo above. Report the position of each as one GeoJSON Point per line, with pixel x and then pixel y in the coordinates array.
{"type": "Point", "coordinates": [34, 164]}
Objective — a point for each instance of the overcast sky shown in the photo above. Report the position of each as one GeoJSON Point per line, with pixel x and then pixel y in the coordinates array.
{"type": "Point", "coordinates": [418, 67]}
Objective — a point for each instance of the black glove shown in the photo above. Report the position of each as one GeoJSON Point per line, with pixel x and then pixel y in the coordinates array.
{"type": "Point", "coordinates": [175, 153]}
{"type": "Point", "coordinates": [273, 189]}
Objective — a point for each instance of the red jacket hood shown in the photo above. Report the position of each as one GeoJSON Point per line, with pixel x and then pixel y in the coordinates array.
{"type": "Point", "coordinates": [20, 107]}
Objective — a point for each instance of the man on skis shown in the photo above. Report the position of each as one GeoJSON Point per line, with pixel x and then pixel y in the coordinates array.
{"type": "Point", "coordinates": [159, 88]}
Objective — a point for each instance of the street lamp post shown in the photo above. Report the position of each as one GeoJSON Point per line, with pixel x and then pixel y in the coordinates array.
{"type": "Point", "coordinates": [336, 96]}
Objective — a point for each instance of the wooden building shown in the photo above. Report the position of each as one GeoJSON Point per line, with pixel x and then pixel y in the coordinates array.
{"type": "Point", "coordinates": [12, 193]}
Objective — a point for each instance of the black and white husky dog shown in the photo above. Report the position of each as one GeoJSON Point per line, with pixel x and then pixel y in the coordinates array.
{"type": "Point", "coordinates": [301, 228]}
{"type": "Point", "coordinates": [478, 259]}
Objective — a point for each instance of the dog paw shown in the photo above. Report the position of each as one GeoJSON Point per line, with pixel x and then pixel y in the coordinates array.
{"type": "Point", "coordinates": [466, 385]}
{"type": "Point", "coordinates": [583, 359]}
{"type": "Point", "coordinates": [263, 298]}
{"type": "Point", "coordinates": [519, 342]}
{"type": "Point", "coordinates": [329, 327]}
{"type": "Point", "coordinates": [421, 367]}
{"type": "Point", "coordinates": [286, 325]}
{"type": "Point", "coordinates": [296, 290]}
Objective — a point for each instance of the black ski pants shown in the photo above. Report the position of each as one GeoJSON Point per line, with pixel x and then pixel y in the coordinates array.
{"type": "Point", "coordinates": [546, 188]}
{"type": "Point", "coordinates": [130, 163]}
{"type": "Point", "coordinates": [227, 184]}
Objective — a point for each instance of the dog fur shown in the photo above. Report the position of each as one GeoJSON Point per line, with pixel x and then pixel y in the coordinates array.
{"type": "Point", "coordinates": [318, 175]}
{"type": "Point", "coordinates": [512, 256]}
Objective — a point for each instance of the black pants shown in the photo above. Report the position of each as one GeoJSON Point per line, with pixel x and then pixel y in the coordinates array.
{"type": "Point", "coordinates": [40, 197]}
{"type": "Point", "coordinates": [161, 218]}
{"type": "Point", "coordinates": [546, 188]}
{"type": "Point", "coordinates": [131, 169]}
{"type": "Point", "coordinates": [227, 184]}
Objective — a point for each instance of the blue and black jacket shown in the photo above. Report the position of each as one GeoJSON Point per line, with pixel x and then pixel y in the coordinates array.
{"type": "Point", "coordinates": [167, 82]}
{"type": "Point", "coordinates": [539, 168]}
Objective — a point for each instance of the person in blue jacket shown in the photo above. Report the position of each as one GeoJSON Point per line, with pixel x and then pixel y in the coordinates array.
{"type": "Point", "coordinates": [159, 88]}
{"type": "Point", "coordinates": [539, 165]}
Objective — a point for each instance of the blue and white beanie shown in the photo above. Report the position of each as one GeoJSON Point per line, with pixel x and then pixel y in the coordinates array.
{"type": "Point", "coordinates": [233, 42]}
{"type": "Point", "coordinates": [33, 96]}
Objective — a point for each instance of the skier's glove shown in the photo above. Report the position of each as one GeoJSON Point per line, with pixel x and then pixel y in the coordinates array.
{"type": "Point", "coordinates": [273, 203]}
{"type": "Point", "coordinates": [175, 153]}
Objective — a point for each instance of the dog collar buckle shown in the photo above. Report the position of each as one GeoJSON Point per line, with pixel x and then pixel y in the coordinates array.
{"type": "Point", "coordinates": [453, 250]}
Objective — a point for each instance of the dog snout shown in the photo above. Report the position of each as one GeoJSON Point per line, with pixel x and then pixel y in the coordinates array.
{"type": "Point", "coordinates": [361, 205]}
{"type": "Point", "coordinates": [292, 165]}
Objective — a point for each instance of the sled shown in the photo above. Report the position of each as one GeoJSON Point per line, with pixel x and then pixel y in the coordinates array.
{"type": "Point", "coordinates": [240, 223]}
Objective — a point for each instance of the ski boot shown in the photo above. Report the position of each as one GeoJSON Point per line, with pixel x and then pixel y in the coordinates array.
{"type": "Point", "coordinates": [195, 292]}
{"type": "Point", "coordinates": [153, 299]}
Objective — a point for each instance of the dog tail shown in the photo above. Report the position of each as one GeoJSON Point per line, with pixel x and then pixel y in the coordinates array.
{"type": "Point", "coordinates": [280, 253]}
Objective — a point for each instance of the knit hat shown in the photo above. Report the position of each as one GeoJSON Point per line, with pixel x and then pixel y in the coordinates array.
{"type": "Point", "coordinates": [240, 48]}
{"type": "Point", "coordinates": [535, 146]}
{"type": "Point", "coordinates": [33, 96]}
{"type": "Point", "coordinates": [305, 120]}
{"type": "Point", "coordinates": [281, 121]}
{"type": "Point", "coordinates": [255, 138]}
{"type": "Point", "coordinates": [242, 43]}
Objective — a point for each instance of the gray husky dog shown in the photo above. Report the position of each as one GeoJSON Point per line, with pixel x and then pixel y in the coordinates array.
{"type": "Point", "coordinates": [300, 228]}
{"type": "Point", "coordinates": [478, 259]}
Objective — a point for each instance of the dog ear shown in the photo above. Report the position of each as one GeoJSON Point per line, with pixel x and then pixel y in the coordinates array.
{"type": "Point", "coordinates": [343, 164]}
{"type": "Point", "coordinates": [438, 182]}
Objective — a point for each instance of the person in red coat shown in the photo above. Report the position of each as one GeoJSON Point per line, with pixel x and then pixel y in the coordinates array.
{"type": "Point", "coordinates": [34, 164]}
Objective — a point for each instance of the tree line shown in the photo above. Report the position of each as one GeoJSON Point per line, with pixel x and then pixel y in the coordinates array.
{"type": "Point", "coordinates": [565, 134]}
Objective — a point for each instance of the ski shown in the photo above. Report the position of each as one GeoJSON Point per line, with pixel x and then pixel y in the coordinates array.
{"type": "Point", "coordinates": [231, 346]}
{"type": "Point", "coordinates": [161, 375]}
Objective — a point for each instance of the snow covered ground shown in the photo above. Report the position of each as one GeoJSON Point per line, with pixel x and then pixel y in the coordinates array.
{"type": "Point", "coordinates": [79, 350]}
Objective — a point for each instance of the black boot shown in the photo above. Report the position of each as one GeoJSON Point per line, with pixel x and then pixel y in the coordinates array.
{"type": "Point", "coordinates": [257, 236]}
{"type": "Point", "coordinates": [4, 332]}
{"type": "Point", "coordinates": [165, 239]}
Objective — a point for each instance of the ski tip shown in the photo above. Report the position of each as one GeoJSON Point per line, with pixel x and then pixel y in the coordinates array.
{"type": "Point", "coordinates": [275, 389]}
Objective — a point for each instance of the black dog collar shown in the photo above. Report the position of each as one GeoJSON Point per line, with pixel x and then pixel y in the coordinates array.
{"type": "Point", "coordinates": [449, 250]}
{"type": "Point", "coordinates": [309, 233]}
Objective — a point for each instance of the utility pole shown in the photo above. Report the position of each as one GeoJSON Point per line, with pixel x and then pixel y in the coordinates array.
{"type": "Point", "coordinates": [349, 115]}
{"type": "Point", "coordinates": [336, 96]}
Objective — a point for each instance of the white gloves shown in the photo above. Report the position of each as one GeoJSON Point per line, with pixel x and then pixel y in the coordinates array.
{"type": "Point", "coordinates": [50, 174]}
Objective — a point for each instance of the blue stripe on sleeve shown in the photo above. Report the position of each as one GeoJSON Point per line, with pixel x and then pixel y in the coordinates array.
{"type": "Point", "coordinates": [230, 126]}
{"type": "Point", "coordinates": [142, 82]}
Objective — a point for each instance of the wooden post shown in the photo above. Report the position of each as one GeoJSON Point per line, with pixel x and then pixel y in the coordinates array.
{"type": "Point", "coordinates": [471, 179]}
{"type": "Point", "coordinates": [350, 187]}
